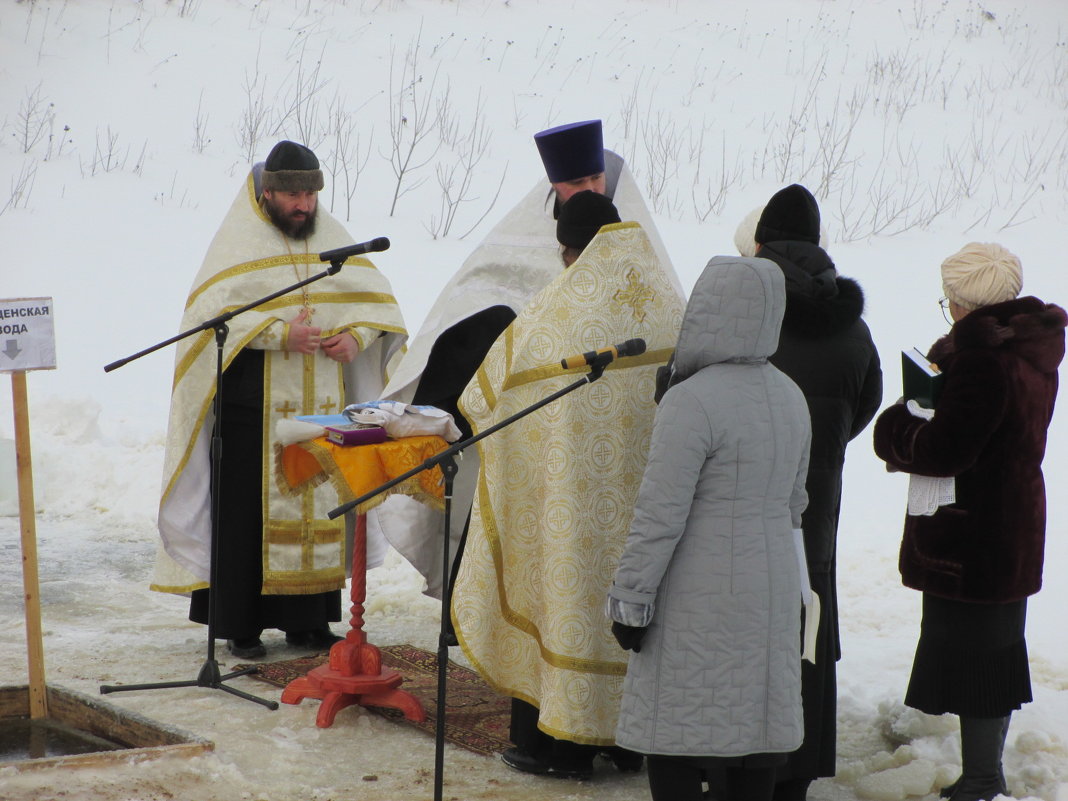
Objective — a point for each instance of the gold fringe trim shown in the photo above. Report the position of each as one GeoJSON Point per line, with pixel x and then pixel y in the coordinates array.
{"type": "Point", "coordinates": [275, 584]}
{"type": "Point", "coordinates": [329, 471]}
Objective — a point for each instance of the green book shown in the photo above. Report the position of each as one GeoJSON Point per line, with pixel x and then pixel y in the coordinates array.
{"type": "Point", "coordinates": [921, 380]}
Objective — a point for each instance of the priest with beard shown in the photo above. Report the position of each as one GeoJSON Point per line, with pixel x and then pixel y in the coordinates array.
{"type": "Point", "coordinates": [281, 561]}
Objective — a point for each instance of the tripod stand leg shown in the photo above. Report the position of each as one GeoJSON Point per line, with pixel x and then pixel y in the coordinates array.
{"type": "Point", "coordinates": [248, 696]}
{"type": "Point", "coordinates": [209, 675]}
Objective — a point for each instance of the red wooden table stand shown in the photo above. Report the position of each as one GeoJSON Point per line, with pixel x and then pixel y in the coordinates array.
{"type": "Point", "coordinates": [354, 673]}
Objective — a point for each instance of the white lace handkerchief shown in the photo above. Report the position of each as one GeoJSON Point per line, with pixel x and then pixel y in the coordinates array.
{"type": "Point", "coordinates": [927, 493]}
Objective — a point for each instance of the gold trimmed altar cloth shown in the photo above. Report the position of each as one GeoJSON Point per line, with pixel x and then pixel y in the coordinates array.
{"type": "Point", "coordinates": [355, 470]}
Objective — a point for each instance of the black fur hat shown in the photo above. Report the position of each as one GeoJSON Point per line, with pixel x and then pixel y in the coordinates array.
{"type": "Point", "coordinates": [792, 214]}
{"type": "Point", "coordinates": [291, 168]}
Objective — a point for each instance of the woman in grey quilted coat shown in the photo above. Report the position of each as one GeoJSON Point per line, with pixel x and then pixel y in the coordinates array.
{"type": "Point", "coordinates": [708, 591]}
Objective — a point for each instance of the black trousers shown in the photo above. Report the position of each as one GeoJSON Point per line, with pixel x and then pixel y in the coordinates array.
{"type": "Point", "coordinates": [745, 778]}
{"type": "Point", "coordinates": [526, 735]}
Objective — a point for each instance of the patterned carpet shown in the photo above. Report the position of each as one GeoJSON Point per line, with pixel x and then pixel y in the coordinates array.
{"type": "Point", "coordinates": [476, 718]}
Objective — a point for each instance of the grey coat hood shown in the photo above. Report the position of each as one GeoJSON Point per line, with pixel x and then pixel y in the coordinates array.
{"type": "Point", "coordinates": [710, 559]}
{"type": "Point", "coordinates": [733, 315]}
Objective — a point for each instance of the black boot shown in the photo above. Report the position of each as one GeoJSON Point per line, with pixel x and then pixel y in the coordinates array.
{"type": "Point", "coordinates": [791, 790]}
{"type": "Point", "coordinates": [674, 778]}
{"type": "Point", "coordinates": [247, 647]}
{"type": "Point", "coordinates": [750, 784]}
{"type": "Point", "coordinates": [625, 760]}
{"type": "Point", "coordinates": [949, 789]}
{"type": "Point", "coordinates": [982, 741]}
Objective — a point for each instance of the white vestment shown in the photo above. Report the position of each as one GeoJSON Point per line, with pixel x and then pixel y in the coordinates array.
{"type": "Point", "coordinates": [250, 258]}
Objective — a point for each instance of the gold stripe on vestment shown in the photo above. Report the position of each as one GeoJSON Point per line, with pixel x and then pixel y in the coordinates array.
{"type": "Point", "coordinates": [294, 532]}
{"type": "Point", "coordinates": [521, 622]}
{"type": "Point", "coordinates": [185, 364]}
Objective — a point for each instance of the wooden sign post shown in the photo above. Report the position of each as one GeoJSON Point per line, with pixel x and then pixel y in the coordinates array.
{"type": "Point", "coordinates": [27, 516]}
{"type": "Point", "coordinates": [27, 342]}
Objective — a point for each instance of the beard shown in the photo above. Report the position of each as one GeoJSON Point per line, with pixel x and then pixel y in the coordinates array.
{"type": "Point", "coordinates": [295, 225]}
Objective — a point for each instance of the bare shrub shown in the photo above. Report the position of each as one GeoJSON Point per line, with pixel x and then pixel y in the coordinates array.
{"type": "Point", "coordinates": [345, 157]}
{"type": "Point", "coordinates": [709, 191]}
{"type": "Point", "coordinates": [200, 128]}
{"type": "Point", "coordinates": [300, 105]}
{"type": "Point", "coordinates": [456, 178]}
{"type": "Point", "coordinates": [411, 120]}
{"type": "Point", "coordinates": [34, 119]}
{"type": "Point", "coordinates": [110, 156]}
{"type": "Point", "coordinates": [253, 122]}
{"type": "Point", "coordinates": [20, 187]}
{"type": "Point", "coordinates": [662, 143]}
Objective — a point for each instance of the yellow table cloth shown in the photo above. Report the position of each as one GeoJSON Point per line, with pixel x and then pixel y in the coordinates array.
{"type": "Point", "coordinates": [356, 470]}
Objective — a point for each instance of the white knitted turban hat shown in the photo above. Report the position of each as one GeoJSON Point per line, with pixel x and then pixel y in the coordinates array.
{"type": "Point", "coordinates": [745, 235]}
{"type": "Point", "coordinates": [980, 274]}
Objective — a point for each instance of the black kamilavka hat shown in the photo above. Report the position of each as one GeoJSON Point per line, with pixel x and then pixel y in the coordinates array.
{"type": "Point", "coordinates": [571, 151]}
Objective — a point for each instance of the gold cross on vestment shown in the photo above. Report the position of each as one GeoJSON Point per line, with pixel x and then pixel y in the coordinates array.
{"type": "Point", "coordinates": [558, 518]}
{"type": "Point", "coordinates": [603, 453]}
{"type": "Point", "coordinates": [637, 294]}
{"type": "Point", "coordinates": [328, 406]}
{"type": "Point", "coordinates": [285, 409]}
{"type": "Point", "coordinates": [605, 510]}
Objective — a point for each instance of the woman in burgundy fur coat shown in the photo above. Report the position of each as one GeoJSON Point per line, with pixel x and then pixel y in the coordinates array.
{"type": "Point", "coordinates": [976, 560]}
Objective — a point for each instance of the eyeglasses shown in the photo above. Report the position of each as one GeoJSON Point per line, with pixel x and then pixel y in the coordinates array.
{"type": "Point", "coordinates": [943, 304]}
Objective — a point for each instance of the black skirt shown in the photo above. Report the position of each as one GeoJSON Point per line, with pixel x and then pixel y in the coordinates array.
{"type": "Point", "coordinates": [971, 659]}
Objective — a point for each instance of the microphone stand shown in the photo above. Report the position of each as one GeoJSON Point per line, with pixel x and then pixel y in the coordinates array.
{"type": "Point", "coordinates": [447, 461]}
{"type": "Point", "coordinates": [210, 676]}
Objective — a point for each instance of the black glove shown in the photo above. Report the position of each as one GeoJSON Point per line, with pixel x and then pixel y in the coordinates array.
{"type": "Point", "coordinates": [629, 637]}
{"type": "Point", "coordinates": [664, 375]}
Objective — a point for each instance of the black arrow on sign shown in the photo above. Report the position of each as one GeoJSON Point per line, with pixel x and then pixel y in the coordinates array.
{"type": "Point", "coordinates": [12, 348]}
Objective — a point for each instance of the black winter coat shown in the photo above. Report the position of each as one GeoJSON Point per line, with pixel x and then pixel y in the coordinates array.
{"type": "Point", "coordinates": [826, 348]}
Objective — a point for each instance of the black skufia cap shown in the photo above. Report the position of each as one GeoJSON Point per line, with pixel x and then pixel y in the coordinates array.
{"type": "Point", "coordinates": [582, 216]}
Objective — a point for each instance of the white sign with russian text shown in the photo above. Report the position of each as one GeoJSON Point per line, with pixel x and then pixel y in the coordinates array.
{"type": "Point", "coordinates": [27, 335]}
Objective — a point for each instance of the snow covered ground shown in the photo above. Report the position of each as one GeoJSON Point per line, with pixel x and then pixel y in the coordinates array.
{"type": "Point", "coordinates": [127, 128]}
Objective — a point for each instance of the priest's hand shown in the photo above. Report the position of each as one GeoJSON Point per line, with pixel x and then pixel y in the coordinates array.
{"type": "Point", "coordinates": [629, 637]}
{"type": "Point", "coordinates": [303, 337]}
{"type": "Point", "coordinates": [343, 347]}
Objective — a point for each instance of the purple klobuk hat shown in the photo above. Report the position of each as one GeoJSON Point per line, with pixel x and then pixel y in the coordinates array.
{"type": "Point", "coordinates": [571, 151]}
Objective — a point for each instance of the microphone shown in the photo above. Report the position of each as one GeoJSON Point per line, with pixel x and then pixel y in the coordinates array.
{"type": "Point", "coordinates": [602, 356]}
{"type": "Point", "coordinates": [340, 254]}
